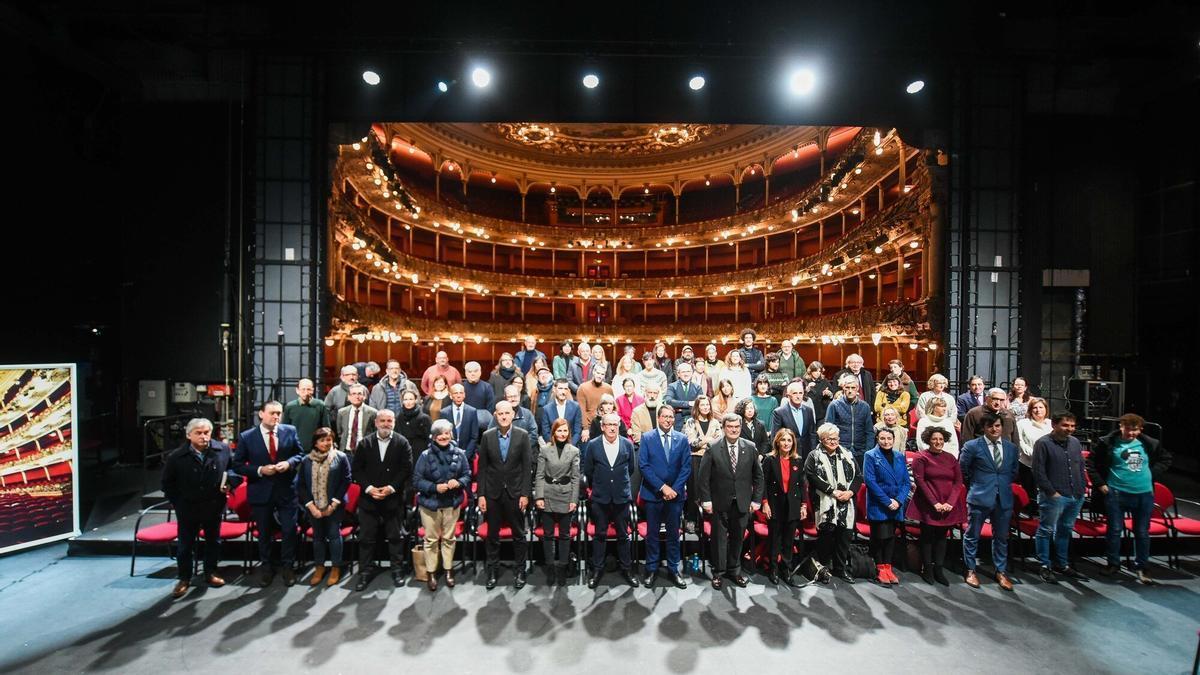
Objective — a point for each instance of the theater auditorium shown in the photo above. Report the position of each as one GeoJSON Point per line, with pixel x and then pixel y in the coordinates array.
{"type": "Point", "coordinates": [696, 338]}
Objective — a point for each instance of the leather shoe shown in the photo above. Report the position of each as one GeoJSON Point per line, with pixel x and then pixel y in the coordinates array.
{"type": "Point", "coordinates": [1047, 575]}
{"type": "Point", "coordinates": [215, 581]}
{"type": "Point", "coordinates": [629, 578]}
{"type": "Point", "coordinates": [1109, 570]}
{"type": "Point", "coordinates": [181, 588]}
{"type": "Point", "coordinates": [449, 578]}
{"type": "Point", "coordinates": [738, 580]}
{"type": "Point", "coordinates": [519, 581]}
{"type": "Point", "coordinates": [677, 580]}
{"type": "Point", "coordinates": [492, 580]}
{"type": "Point", "coordinates": [335, 575]}
{"type": "Point", "coordinates": [648, 580]}
{"type": "Point", "coordinates": [845, 576]}
{"type": "Point", "coordinates": [972, 579]}
{"type": "Point", "coordinates": [317, 576]}
{"type": "Point", "coordinates": [361, 583]}
{"type": "Point", "coordinates": [265, 576]}
{"type": "Point", "coordinates": [594, 580]}
{"type": "Point", "coordinates": [1004, 581]}
{"type": "Point", "coordinates": [716, 583]}
{"type": "Point", "coordinates": [289, 577]}
{"type": "Point", "coordinates": [773, 578]}
{"type": "Point", "coordinates": [398, 578]}
{"type": "Point", "coordinates": [431, 582]}
{"type": "Point", "coordinates": [1070, 573]}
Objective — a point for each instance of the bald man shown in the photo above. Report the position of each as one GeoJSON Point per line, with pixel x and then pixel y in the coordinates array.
{"type": "Point", "coordinates": [464, 418]}
{"type": "Point", "coordinates": [441, 366]}
{"type": "Point", "coordinates": [307, 413]}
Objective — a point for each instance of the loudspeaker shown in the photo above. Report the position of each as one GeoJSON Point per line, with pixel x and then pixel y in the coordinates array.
{"type": "Point", "coordinates": [1095, 399]}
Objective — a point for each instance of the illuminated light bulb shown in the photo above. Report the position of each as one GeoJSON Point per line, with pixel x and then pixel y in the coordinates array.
{"type": "Point", "coordinates": [912, 345]}
{"type": "Point", "coordinates": [328, 342]}
{"type": "Point", "coordinates": [878, 139]}
{"type": "Point", "coordinates": [875, 338]}
{"type": "Point", "coordinates": [356, 146]}
{"type": "Point", "coordinates": [933, 346]}
{"type": "Point", "coordinates": [913, 244]}
{"type": "Point", "coordinates": [857, 170]}
{"type": "Point", "coordinates": [879, 151]}
{"type": "Point", "coordinates": [370, 166]}
{"type": "Point", "coordinates": [878, 249]}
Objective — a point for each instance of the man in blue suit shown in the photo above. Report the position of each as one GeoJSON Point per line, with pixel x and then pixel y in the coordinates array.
{"type": "Point", "coordinates": [989, 467]}
{"type": "Point", "coordinates": [465, 420]}
{"type": "Point", "coordinates": [666, 464]}
{"type": "Point", "coordinates": [562, 407]}
{"type": "Point", "coordinates": [607, 465]}
{"type": "Point", "coordinates": [972, 398]}
{"type": "Point", "coordinates": [798, 418]}
{"type": "Point", "coordinates": [268, 456]}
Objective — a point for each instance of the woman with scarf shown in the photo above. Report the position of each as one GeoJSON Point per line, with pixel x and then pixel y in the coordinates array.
{"type": "Point", "coordinates": [664, 362]}
{"type": "Point", "coordinates": [885, 473]}
{"type": "Point", "coordinates": [440, 476]}
{"type": "Point", "coordinates": [437, 399]}
{"type": "Point", "coordinates": [834, 479]}
{"type": "Point", "coordinates": [891, 395]}
{"type": "Point", "coordinates": [753, 429]}
{"type": "Point", "coordinates": [502, 375]}
{"type": "Point", "coordinates": [556, 495]}
{"type": "Point", "coordinates": [321, 485]}
{"type": "Point", "coordinates": [702, 429]}
{"type": "Point", "coordinates": [938, 502]}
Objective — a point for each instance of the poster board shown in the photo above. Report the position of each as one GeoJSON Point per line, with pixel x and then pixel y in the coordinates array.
{"type": "Point", "coordinates": [39, 456]}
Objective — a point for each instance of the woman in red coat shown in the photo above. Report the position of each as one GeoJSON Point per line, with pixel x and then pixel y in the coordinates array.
{"type": "Point", "coordinates": [937, 503]}
{"type": "Point", "coordinates": [783, 474]}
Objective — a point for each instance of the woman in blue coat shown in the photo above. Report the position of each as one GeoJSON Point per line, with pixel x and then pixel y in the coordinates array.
{"type": "Point", "coordinates": [885, 473]}
{"type": "Point", "coordinates": [440, 477]}
{"type": "Point", "coordinates": [321, 485]}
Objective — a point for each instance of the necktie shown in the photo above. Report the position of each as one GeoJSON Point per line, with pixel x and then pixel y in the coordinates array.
{"type": "Point", "coordinates": [666, 441]}
{"type": "Point", "coordinates": [271, 450]}
{"type": "Point", "coordinates": [997, 454]}
{"type": "Point", "coordinates": [457, 416]}
{"type": "Point", "coordinates": [733, 458]}
{"type": "Point", "coordinates": [354, 430]}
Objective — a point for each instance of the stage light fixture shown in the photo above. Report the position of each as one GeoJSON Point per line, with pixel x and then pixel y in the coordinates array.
{"type": "Point", "coordinates": [442, 86]}
{"type": "Point", "coordinates": [480, 77]}
{"type": "Point", "coordinates": [802, 81]}
{"type": "Point", "coordinates": [696, 83]}
{"type": "Point", "coordinates": [370, 77]}
{"type": "Point", "coordinates": [915, 86]}
{"type": "Point", "coordinates": [591, 81]}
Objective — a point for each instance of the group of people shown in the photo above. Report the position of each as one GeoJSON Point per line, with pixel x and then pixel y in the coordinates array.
{"type": "Point", "coordinates": [708, 441]}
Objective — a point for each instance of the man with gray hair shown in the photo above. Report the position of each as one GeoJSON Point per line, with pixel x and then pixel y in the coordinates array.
{"type": "Point", "coordinates": [853, 417]}
{"type": "Point", "coordinates": [480, 394]}
{"type": "Point", "coordinates": [730, 487]}
{"type": "Point", "coordinates": [522, 417]}
{"type": "Point", "coordinates": [356, 420]}
{"type": "Point", "coordinates": [196, 480]}
{"type": "Point", "coordinates": [995, 402]}
{"type": "Point", "coordinates": [339, 395]}
{"type": "Point", "coordinates": [387, 393]}
{"type": "Point", "coordinates": [854, 368]}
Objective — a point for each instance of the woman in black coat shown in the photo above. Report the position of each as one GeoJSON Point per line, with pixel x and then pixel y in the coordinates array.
{"type": "Point", "coordinates": [413, 424]}
{"type": "Point", "coordinates": [783, 474]}
{"type": "Point", "coordinates": [321, 484]}
{"type": "Point", "coordinates": [753, 430]}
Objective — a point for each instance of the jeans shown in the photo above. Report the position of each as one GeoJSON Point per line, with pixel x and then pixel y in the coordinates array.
{"type": "Point", "coordinates": [1140, 506]}
{"type": "Point", "coordinates": [1000, 517]}
{"type": "Point", "coordinates": [327, 533]}
{"type": "Point", "coordinates": [1056, 523]}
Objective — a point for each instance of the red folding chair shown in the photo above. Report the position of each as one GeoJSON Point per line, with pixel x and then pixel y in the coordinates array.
{"type": "Point", "coordinates": [1166, 513]}
{"type": "Point", "coordinates": [349, 528]}
{"type": "Point", "coordinates": [159, 533]}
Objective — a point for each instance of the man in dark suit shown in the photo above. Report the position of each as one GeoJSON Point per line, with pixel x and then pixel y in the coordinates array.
{"type": "Point", "coordinates": [665, 460]}
{"type": "Point", "coordinates": [989, 466]}
{"type": "Point", "coordinates": [681, 394]}
{"type": "Point", "coordinates": [505, 474]}
{"type": "Point", "coordinates": [561, 407]}
{"type": "Point", "coordinates": [730, 486]}
{"type": "Point", "coordinates": [798, 418]}
{"type": "Point", "coordinates": [355, 420]}
{"type": "Point", "coordinates": [268, 456]}
{"type": "Point", "coordinates": [196, 480]}
{"type": "Point", "coordinates": [972, 398]}
{"type": "Point", "coordinates": [465, 420]}
{"type": "Point", "coordinates": [383, 467]}
{"type": "Point", "coordinates": [607, 466]}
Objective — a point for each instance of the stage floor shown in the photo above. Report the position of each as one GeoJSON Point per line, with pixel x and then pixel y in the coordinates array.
{"type": "Point", "coordinates": [85, 614]}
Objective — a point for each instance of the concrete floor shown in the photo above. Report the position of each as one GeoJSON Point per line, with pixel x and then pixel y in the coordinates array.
{"type": "Point", "coordinates": [85, 614]}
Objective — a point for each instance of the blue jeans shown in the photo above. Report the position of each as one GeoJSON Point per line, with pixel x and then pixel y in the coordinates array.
{"type": "Point", "coordinates": [1000, 517]}
{"type": "Point", "coordinates": [1139, 506]}
{"type": "Point", "coordinates": [327, 532]}
{"type": "Point", "coordinates": [666, 513]}
{"type": "Point", "coordinates": [1055, 525]}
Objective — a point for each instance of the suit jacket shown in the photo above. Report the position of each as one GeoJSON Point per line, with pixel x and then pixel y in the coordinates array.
{"type": "Point", "coordinates": [251, 455]}
{"type": "Point", "coordinates": [642, 420]}
{"type": "Point", "coordinates": [499, 478]}
{"type": "Point", "coordinates": [965, 401]}
{"type": "Point", "coordinates": [680, 397]}
{"type": "Point", "coordinates": [395, 468]}
{"type": "Point", "coordinates": [573, 415]}
{"type": "Point", "coordinates": [972, 424]}
{"type": "Point", "coordinates": [467, 433]}
{"type": "Point", "coordinates": [346, 415]}
{"type": "Point", "coordinates": [657, 470]}
{"type": "Point", "coordinates": [773, 485]}
{"type": "Point", "coordinates": [721, 486]}
{"type": "Point", "coordinates": [336, 486]}
{"type": "Point", "coordinates": [193, 483]}
{"type": "Point", "coordinates": [521, 418]}
{"type": "Point", "coordinates": [985, 482]}
{"type": "Point", "coordinates": [610, 484]}
{"type": "Point", "coordinates": [552, 468]}
{"type": "Point", "coordinates": [806, 441]}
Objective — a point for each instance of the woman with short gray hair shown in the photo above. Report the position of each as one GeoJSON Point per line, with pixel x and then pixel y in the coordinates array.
{"type": "Point", "coordinates": [834, 479]}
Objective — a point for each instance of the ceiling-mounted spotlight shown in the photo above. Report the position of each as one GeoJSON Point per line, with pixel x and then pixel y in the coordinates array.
{"type": "Point", "coordinates": [370, 77]}
{"type": "Point", "coordinates": [802, 81]}
{"type": "Point", "coordinates": [915, 86]}
{"type": "Point", "coordinates": [480, 77]}
{"type": "Point", "coordinates": [442, 86]}
{"type": "Point", "coordinates": [696, 83]}
{"type": "Point", "coordinates": [591, 80]}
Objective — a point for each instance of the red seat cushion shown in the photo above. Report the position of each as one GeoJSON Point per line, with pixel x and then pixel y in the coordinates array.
{"type": "Point", "coordinates": [162, 533]}
{"type": "Point", "coordinates": [505, 531]}
{"type": "Point", "coordinates": [641, 529]}
{"type": "Point", "coordinates": [1090, 528]}
{"type": "Point", "coordinates": [863, 529]}
{"type": "Point", "coordinates": [232, 530]}
{"type": "Point", "coordinates": [1187, 526]}
{"type": "Point", "coordinates": [1157, 527]}
{"type": "Point", "coordinates": [539, 532]}
{"type": "Point", "coordinates": [458, 530]}
{"type": "Point", "coordinates": [610, 533]}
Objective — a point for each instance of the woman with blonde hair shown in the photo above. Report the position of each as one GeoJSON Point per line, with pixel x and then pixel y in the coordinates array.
{"type": "Point", "coordinates": [737, 373]}
{"type": "Point", "coordinates": [702, 429]}
{"type": "Point", "coordinates": [937, 388]}
{"type": "Point", "coordinates": [938, 415]}
{"type": "Point", "coordinates": [1035, 425]}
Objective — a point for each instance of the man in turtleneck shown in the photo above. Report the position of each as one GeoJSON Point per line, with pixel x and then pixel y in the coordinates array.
{"type": "Point", "coordinates": [479, 393]}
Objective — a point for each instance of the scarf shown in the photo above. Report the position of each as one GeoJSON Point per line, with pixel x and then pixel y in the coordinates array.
{"type": "Point", "coordinates": [410, 414]}
{"type": "Point", "coordinates": [507, 373]}
{"type": "Point", "coordinates": [544, 393]}
{"type": "Point", "coordinates": [831, 511]}
{"type": "Point", "coordinates": [891, 396]}
{"type": "Point", "coordinates": [320, 477]}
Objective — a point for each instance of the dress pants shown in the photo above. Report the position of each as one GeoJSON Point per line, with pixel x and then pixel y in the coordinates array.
{"type": "Point", "coordinates": [556, 529]}
{"type": "Point", "coordinates": [327, 537]}
{"type": "Point", "coordinates": [665, 512]}
{"type": "Point", "coordinates": [692, 512]}
{"type": "Point", "coordinates": [833, 547]}
{"type": "Point", "coordinates": [618, 515]}
{"type": "Point", "coordinates": [781, 535]}
{"type": "Point", "coordinates": [439, 536]}
{"type": "Point", "coordinates": [728, 532]}
{"type": "Point", "coordinates": [1000, 517]}
{"type": "Point", "coordinates": [371, 520]}
{"type": "Point", "coordinates": [500, 511]}
{"type": "Point", "coordinates": [276, 517]}
{"type": "Point", "coordinates": [191, 522]}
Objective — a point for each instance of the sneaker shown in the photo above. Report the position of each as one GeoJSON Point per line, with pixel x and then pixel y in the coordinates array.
{"type": "Point", "coordinates": [1143, 578]}
{"type": "Point", "coordinates": [1047, 575]}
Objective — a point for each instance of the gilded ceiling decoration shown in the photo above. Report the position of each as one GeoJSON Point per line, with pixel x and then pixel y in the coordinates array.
{"type": "Point", "coordinates": [605, 140]}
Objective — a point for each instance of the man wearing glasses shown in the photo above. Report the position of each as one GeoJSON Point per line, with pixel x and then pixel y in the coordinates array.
{"type": "Point", "coordinates": [995, 403]}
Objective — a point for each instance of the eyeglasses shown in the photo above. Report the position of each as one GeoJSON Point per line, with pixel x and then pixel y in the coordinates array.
{"type": "Point", "coordinates": [609, 424]}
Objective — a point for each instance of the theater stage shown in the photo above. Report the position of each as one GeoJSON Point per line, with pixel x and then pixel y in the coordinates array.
{"type": "Point", "coordinates": [86, 614]}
